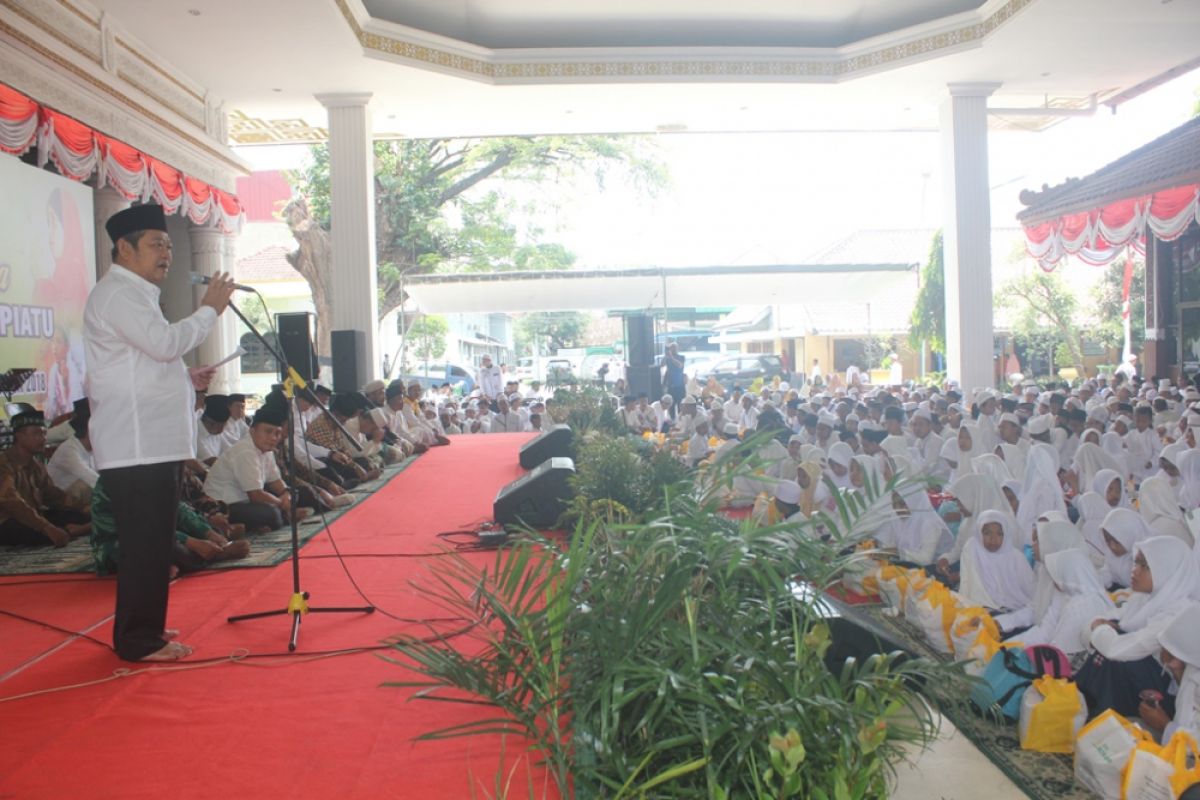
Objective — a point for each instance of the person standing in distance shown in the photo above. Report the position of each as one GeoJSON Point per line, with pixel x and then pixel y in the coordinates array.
{"type": "Point", "coordinates": [489, 380]}
{"type": "Point", "coordinates": [674, 376]}
{"type": "Point", "coordinates": [142, 426]}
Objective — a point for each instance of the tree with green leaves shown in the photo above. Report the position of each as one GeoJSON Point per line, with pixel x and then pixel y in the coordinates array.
{"type": "Point", "coordinates": [551, 330]}
{"type": "Point", "coordinates": [1042, 302]}
{"type": "Point", "coordinates": [459, 205]}
{"type": "Point", "coordinates": [1109, 330]}
{"type": "Point", "coordinates": [428, 337]}
{"type": "Point", "coordinates": [928, 322]}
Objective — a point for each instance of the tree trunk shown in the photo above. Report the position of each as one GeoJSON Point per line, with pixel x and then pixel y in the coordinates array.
{"type": "Point", "coordinates": [314, 260]}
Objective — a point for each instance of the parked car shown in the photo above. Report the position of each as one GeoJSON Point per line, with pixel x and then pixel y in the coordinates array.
{"type": "Point", "coordinates": [459, 377]}
{"type": "Point", "coordinates": [559, 370]}
{"type": "Point", "coordinates": [742, 369]}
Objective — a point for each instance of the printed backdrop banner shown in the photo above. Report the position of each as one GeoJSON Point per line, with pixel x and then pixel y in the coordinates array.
{"type": "Point", "coordinates": [47, 268]}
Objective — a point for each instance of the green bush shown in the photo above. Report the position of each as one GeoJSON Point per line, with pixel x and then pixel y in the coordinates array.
{"type": "Point", "coordinates": [673, 658]}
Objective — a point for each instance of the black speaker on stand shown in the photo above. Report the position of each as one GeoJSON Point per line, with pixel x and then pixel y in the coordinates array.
{"type": "Point", "coordinates": [349, 356]}
{"type": "Point", "coordinates": [296, 341]}
{"type": "Point", "coordinates": [639, 340]}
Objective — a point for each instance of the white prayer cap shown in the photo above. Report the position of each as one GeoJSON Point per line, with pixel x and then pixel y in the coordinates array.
{"type": "Point", "coordinates": [1010, 417]}
{"type": "Point", "coordinates": [784, 386]}
{"type": "Point", "coordinates": [1124, 420]}
{"type": "Point", "coordinates": [1099, 413]}
{"type": "Point", "coordinates": [910, 407]}
{"type": "Point", "coordinates": [852, 418]}
{"type": "Point", "coordinates": [788, 492]}
{"type": "Point", "coordinates": [1164, 384]}
{"type": "Point", "coordinates": [827, 417]}
{"type": "Point", "coordinates": [688, 400]}
{"type": "Point", "coordinates": [666, 398]}
{"type": "Point", "coordinates": [731, 429]}
{"type": "Point", "coordinates": [1039, 424]}
{"type": "Point", "coordinates": [956, 408]}
{"type": "Point", "coordinates": [922, 413]}
{"type": "Point", "coordinates": [1193, 420]}
{"type": "Point", "coordinates": [795, 439]}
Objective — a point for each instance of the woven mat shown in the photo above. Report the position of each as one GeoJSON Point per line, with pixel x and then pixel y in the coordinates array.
{"type": "Point", "coordinates": [266, 549]}
{"type": "Point", "coordinates": [1042, 776]}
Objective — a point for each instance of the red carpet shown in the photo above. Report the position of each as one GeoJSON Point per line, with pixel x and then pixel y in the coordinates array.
{"type": "Point", "coordinates": [288, 727]}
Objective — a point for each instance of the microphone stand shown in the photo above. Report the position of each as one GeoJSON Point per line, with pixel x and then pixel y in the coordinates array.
{"type": "Point", "coordinates": [297, 606]}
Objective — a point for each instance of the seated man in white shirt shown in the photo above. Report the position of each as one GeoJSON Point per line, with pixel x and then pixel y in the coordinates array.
{"type": "Point", "coordinates": [246, 477]}
{"type": "Point", "coordinates": [210, 433]}
{"type": "Point", "coordinates": [72, 467]}
{"type": "Point", "coordinates": [504, 420]}
{"type": "Point", "coordinates": [237, 428]}
{"type": "Point", "coordinates": [663, 417]}
{"type": "Point", "coordinates": [698, 448]}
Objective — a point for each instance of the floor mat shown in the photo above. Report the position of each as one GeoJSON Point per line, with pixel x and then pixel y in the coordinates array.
{"type": "Point", "coordinates": [266, 549]}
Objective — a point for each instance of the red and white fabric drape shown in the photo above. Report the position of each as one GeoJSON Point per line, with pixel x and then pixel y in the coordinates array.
{"type": "Point", "coordinates": [79, 151]}
{"type": "Point", "coordinates": [1099, 236]}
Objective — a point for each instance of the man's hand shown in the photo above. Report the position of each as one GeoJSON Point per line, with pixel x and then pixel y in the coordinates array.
{"type": "Point", "coordinates": [57, 535]}
{"type": "Point", "coordinates": [220, 289]}
{"type": "Point", "coordinates": [201, 377]}
{"type": "Point", "coordinates": [203, 548]}
{"type": "Point", "coordinates": [337, 456]}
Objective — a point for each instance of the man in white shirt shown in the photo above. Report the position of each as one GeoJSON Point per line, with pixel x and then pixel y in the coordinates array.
{"type": "Point", "coordinates": [72, 467]}
{"type": "Point", "coordinates": [246, 476]}
{"type": "Point", "coordinates": [504, 420]}
{"type": "Point", "coordinates": [142, 426]}
{"type": "Point", "coordinates": [237, 428]}
{"type": "Point", "coordinates": [1143, 444]}
{"type": "Point", "coordinates": [662, 413]}
{"type": "Point", "coordinates": [489, 379]}
{"type": "Point", "coordinates": [211, 440]}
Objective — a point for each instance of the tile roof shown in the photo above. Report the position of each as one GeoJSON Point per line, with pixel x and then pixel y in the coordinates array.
{"type": "Point", "coordinates": [1169, 161]}
{"type": "Point", "coordinates": [268, 264]}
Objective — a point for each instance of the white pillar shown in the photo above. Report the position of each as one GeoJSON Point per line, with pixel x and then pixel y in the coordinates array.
{"type": "Point", "coordinates": [967, 234]}
{"type": "Point", "coordinates": [229, 376]}
{"type": "Point", "coordinates": [105, 202]}
{"type": "Point", "coordinates": [355, 298]}
{"type": "Point", "coordinates": [208, 258]}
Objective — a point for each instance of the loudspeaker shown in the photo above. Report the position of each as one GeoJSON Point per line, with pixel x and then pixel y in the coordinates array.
{"type": "Point", "coordinates": [536, 499]}
{"type": "Point", "coordinates": [296, 343]}
{"type": "Point", "coordinates": [639, 339]}
{"type": "Point", "coordinates": [554, 442]}
{"type": "Point", "coordinates": [646, 379]}
{"type": "Point", "coordinates": [349, 360]}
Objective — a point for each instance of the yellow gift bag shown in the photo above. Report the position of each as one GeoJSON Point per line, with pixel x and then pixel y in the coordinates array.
{"type": "Point", "coordinates": [972, 626]}
{"type": "Point", "coordinates": [1161, 772]}
{"type": "Point", "coordinates": [1103, 750]}
{"type": "Point", "coordinates": [1052, 712]}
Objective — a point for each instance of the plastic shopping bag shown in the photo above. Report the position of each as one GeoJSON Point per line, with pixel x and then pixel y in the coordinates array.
{"type": "Point", "coordinates": [1102, 751]}
{"type": "Point", "coordinates": [1161, 772]}
{"type": "Point", "coordinates": [1052, 712]}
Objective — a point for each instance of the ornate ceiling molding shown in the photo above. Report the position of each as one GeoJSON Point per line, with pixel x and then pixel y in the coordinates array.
{"type": "Point", "coordinates": [391, 42]}
{"type": "Point", "coordinates": [245, 129]}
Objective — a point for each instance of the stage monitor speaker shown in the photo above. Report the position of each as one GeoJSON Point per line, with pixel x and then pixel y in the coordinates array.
{"type": "Point", "coordinates": [538, 498]}
{"type": "Point", "coordinates": [349, 351]}
{"type": "Point", "coordinates": [296, 343]}
{"type": "Point", "coordinates": [646, 379]}
{"type": "Point", "coordinates": [639, 340]}
{"type": "Point", "coordinates": [554, 442]}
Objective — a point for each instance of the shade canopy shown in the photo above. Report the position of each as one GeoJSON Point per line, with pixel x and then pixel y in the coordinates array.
{"type": "Point", "coordinates": [654, 288]}
{"type": "Point", "coordinates": [1156, 186]}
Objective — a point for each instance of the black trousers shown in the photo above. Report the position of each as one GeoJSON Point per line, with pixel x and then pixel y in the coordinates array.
{"type": "Point", "coordinates": [255, 516]}
{"type": "Point", "coordinates": [145, 499]}
{"type": "Point", "coordinates": [13, 532]}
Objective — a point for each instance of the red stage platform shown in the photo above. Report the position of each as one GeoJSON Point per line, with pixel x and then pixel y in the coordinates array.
{"type": "Point", "coordinates": [308, 725]}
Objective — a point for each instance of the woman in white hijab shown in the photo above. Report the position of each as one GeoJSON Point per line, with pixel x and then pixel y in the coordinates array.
{"type": "Point", "coordinates": [1114, 445]}
{"type": "Point", "coordinates": [1180, 657]}
{"type": "Point", "coordinates": [1122, 530]}
{"type": "Point", "coordinates": [866, 477]}
{"type": "Point", "coordinates": [1041, 491]}
{"type": "Point", "coordinates": [995, 573]}
{"type": "Point", "coordinates": [1189, 479]}
{"type": "Point", "coordinates": [915, 532]}
{"type": "Point", "coordinates": [1076, 598]}
{"type": "Point", "coordinates": [1165, 578]}
{"type": "Point", "coordinates": [1051, 536]}
{"type": "Point", "coordinates": [1168, 465]}
{"type": "Point", "coordinates": [974, 495]}
{"type": "Point", "coordinates": [1014, 459]}
{"type": "Point", "coordinates": [838, 464]}
{"type": "Point", "coordinates": [1160, 509]}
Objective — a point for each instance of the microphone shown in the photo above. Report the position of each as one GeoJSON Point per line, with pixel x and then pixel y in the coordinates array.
{"type": "Point", "coordinates": [197, 278]}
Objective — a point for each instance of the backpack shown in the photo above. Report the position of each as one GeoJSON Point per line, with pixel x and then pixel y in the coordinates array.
{"type": "Point", "coordinates": [1011, 671]}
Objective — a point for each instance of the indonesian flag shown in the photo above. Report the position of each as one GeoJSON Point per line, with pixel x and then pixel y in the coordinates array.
{"type": "Point", "coordinates": [1127, 350]}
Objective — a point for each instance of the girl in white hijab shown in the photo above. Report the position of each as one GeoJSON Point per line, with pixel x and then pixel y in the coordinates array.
{"type": "Point", "coordinates": [970, 443]}
{"type": "Point", "coordinates": [1014, 459]}
{"type": "Point", "coordinates": [974, 494]}
{"type": "Point", "coordinates": [1122, 530]}
{"type": "Point", "coordinates": [1076, 598]}
{"type": "Point", "coordinates": [1164, 579]}
{"type": "Point", "coordinates": [838, 464]}
{"type": "Point", "coordinates": [1180, 657]}
{"type": "Point", "coordinates": [991, 464]}
{"type": "Point", "coordinates": [1114, 445]}
{"type": "Point", "coordinates": [866, 477]}
{"type": "Point", "coordinates": [1168, 465]}
{"type": "Point", "coordinates": [1041, 491]}
{"type": "Point", "coordinates": [1160, 509]}
{"type": "Point", "coordinates": [1189, 479]}
{"type": "Point", "coordinates": [915, 531]}
{"type": "Point", "coordinates": [1091, 460]}
{"type": "Point", "coordinates": [1051, 536]}
{"type": "Point", "coordinates": [995, 573]}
